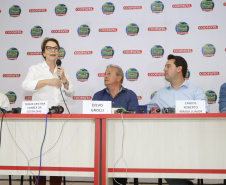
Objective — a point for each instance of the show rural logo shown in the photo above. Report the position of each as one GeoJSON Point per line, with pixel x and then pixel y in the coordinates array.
{"type": "Point", "coordinates": [157, 7]}
{"type": "Point", "coordinates": [157, 51]}
{"type": "Point", "coordinates": [11, 96]}
{"type": "Point", "coordinates": [207, 5]}
{"type": "Point", "coordinates": [182, 28]}
{"type": "Point", "coordinates": [14, 11]}
{"type": "Point", "coordinates": [61, 10]}
{"type": "Point", "coordinates": [107, 52]}
{"type": "Point", "coordinates": [83, 30]}
{"type": "Point", "coordinates": [62, 53]}
{"type": "Point", "coordinates": [208, 50]}
{"type": "Point", "coordinates": [82, 75]}
{"type": "Point", "coordinates": [132, 29]}
{"type": "Point", "coordinates": [132, 74]}
{"type": "Point", "coordinates": [108, 8]}
{"type": "Point", "coordinates": [36, 32]}
{"type": "Point", "coordinates": [12, 54]}
{"type": "Point", "coordinates": [211, 96]}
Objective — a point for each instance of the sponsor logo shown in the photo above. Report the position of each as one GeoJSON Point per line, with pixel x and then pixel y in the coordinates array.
{"type": "Point", "coordinates": [11, 96]}
{"type": "Point", "coordinates": [36, 32]}
{"type": "Point", "coordinates": [82, 75]}
{"type": "Point", "coordinates": [14, 11]}
{"type": "Point", "coordinates": [108, 30]}
{"type": "Point", "coordinates": [211, 96]}
{"type": "Point", "coordinates": [181, 5]}
{"type": "Point", "coordinates": [182, 28]}
{"type": "Point", "coordinates": [60, 31]}
{"type": "Point", "coordinates": [82, 98]}
{"type": "Point", "coordinates": [62, 53]}
{"type": "Point", "coordinates": [83, 52]}
{"type": "Point", "coordinates": [153, 94]}
{"type": "Point", "coordinates": [83, 30]}
{"type": "Point", "coordinates": [132, 51]}
{"type": "Point", "coordinates": [157, 51]}
{"type": "Point", "coordinates": [212, 73]}
{"type": "Point", "coordinates": [187, 76]}
{"type": "Point", "coordinates": [157, 28]}
{"type": "Point", "coordinates": [12, 54]}
{"type": "Point", "coordinates": [207, 5]}
{"type": "Point", "coordinates": [101, 75]}
{"type": "Point", "coordinates": [132, 7]}
{"type": "Point", "coordinates": [157, 7]}
{"type": "Point", "coordinates": [60, 10]}
{"type": "Point", "coordinates": [84, 9]}
{"type": "Point", "coordinates": [139, 97]}
{"type": "Point", "coordinates": [108, 8]}
{"type": "Point", "coordinates": [156, 74]}
{"type": "Point", "coordinates": [132, 29]}
{"type": "Point", "coordinates": [208, 27]}
{"type": "Point", "coordinates": [208, 50]}
{"type": "Point", "coordinates": [34, 53]}
{"type": "Point", "coordinates": [11, 75]}
{"type": "Point", "coordinates": [37, 10]}
{"type": "Point", "coordinates": [107, 52]}
{"type": "Point", "coordinates": [132, 74]}
{"type": "Point", "coordinates": [182, 50]}
{"type": "Point", "coordinates": [28, 97]}
{"type": "Point", "coordinates": [14, 32]}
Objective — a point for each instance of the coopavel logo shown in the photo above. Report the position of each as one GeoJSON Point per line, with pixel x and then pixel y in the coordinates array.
{"type": "Point", "coordinates": [14, 11]}
{"type": "Point", "coordinates": [182, 28]}
{"type": "Point", "coordinates": [83, 30]}
{"type": "Point", "coordinates": [107, 52]}
{"type": "Point", "coordinates": [28, 97]}
{"type": "Point", "coordinates": [37, 10]}
{"type": "Point", "coordinates": [101, 75]}
{"type": "Point", "coordinates": [12, 54]}
{"type": "Point", "coordinates": [211, 96]}
{"type": "Point", "coordinates": [61, 10]}
{"type": "Point", "coordinates": [132, 7]}
{"type": "Point", "coordinates": [108, 8]}
{"type": "Point", "coordinates": [132, 51]}
{"type": "Point", "coordinates": [156, 74]}
{"type": "Point", "coordinates": [139, 97]}
{"type": "Point", "coordinates": [208, 50]}
{"type": "Point", "coordinates": [224, 4]}
{"type": "Point", "coordinates": [14, 32]}
{"type": "Point", "coordinates": [60, 31]}
{"type": "Point", "coordinates": [208, 27]}
{"type": "Point", "coordinates": [182, 50]}
{"type": "Point", "coordinates": [34, 53]}
{"type": "Point", "coordinates": [132, 74]}
{"type": "Point", "coordinates": [36, 32]}
{"type": "Point", "coordinates": [157, 28]}
{"type": "Point", "coordinates": [62, 53]}
{"type": "Point", "coordinates": [11, 75]}
{"type": "Point", "coordinates": [157, 51]}
{"type": "Point", "coordinates": [11, 96]}
{"type": "Point", "coordinates": [132, 29]}
{"type": "Point", "coordinates": [211, 73]}
{"type": "Point", "coordinates": [84, 9]}
{"type": "Point", "coordinates": [83, 52]}
{"type": "Point", "coordinates": [207, 5]}
{"type": "Point", "coordinates": [181, 5]}
{"type": "Point", "coordinates": [157, 7]}
{"type": "Point", "coordinates": [108, 30]}
{"type": "Point", "coordinates": [82, 98]}
{"type": "Point", "coordinates": [82, 75]}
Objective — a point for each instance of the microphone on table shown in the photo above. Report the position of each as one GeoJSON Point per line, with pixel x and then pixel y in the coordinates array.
{"type": "Point", "coordinates": [56, 110]}
{"type": "Point", "coordinates": [58, 63]}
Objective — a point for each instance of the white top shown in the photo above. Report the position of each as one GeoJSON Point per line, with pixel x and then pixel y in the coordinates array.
{"type": "Point", "coordinates": [48, 93]}
{"type": "Point", "coordinates": [4, 102]}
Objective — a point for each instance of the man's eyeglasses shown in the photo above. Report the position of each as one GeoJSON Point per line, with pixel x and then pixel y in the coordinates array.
{"type": "Point", "coordinates": [49, 48]}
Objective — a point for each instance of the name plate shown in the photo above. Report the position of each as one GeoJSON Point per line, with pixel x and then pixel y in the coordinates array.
{"type": "Point", "coordinates": [190, 106]}
{"type": "Point", "coordinates": [96, 107]}
{"type": "Point", "coordinates": [34, 107]}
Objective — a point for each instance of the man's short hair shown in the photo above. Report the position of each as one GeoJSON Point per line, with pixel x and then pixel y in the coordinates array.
{"type": "Point", "coordinates": [119, 72]}
{"type": "Point", "coordinates": [179, 61]}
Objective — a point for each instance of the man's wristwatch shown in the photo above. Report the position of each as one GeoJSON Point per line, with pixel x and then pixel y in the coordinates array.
{"type": "Point", "coordinates": [65, 82]}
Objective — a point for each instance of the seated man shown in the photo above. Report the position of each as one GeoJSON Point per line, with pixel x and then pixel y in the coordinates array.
{"type": "Point", "coordinates": [4, 103]}
{"type": "Point", "coordinates": [222, 98]}
{"type": "Point", "coordinates": [118, 95]}
{"type": "Point", "coordinates": [179, 89]}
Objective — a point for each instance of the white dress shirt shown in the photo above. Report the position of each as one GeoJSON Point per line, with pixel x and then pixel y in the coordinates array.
{"type": "Point", "coordinates": [48, 93]}
{"type": "Point", "coordinates": [4, 102]}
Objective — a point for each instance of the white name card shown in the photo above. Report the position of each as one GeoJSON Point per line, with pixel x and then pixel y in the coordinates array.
{"type": "Point", "coordinates": [190, 106]}
{"type": "Point", "coordinates": [34, 107]}
{"type": "Point", "coordinates": [96, 107]}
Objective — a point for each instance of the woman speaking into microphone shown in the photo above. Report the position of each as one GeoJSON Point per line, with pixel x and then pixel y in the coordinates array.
{"type": "Point", "coordinates": [49, 82]}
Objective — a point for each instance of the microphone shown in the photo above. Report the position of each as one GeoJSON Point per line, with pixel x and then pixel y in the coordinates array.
{"type": "Point", "coordinates": [58, 63]}
{"type": "Point", "coordinates": [56, 110]}
{"type": "Point", "coordinates": [3, 110]}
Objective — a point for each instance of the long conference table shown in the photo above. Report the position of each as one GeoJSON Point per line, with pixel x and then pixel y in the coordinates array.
{"type": "Point", "coordinates": [113, 145]}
